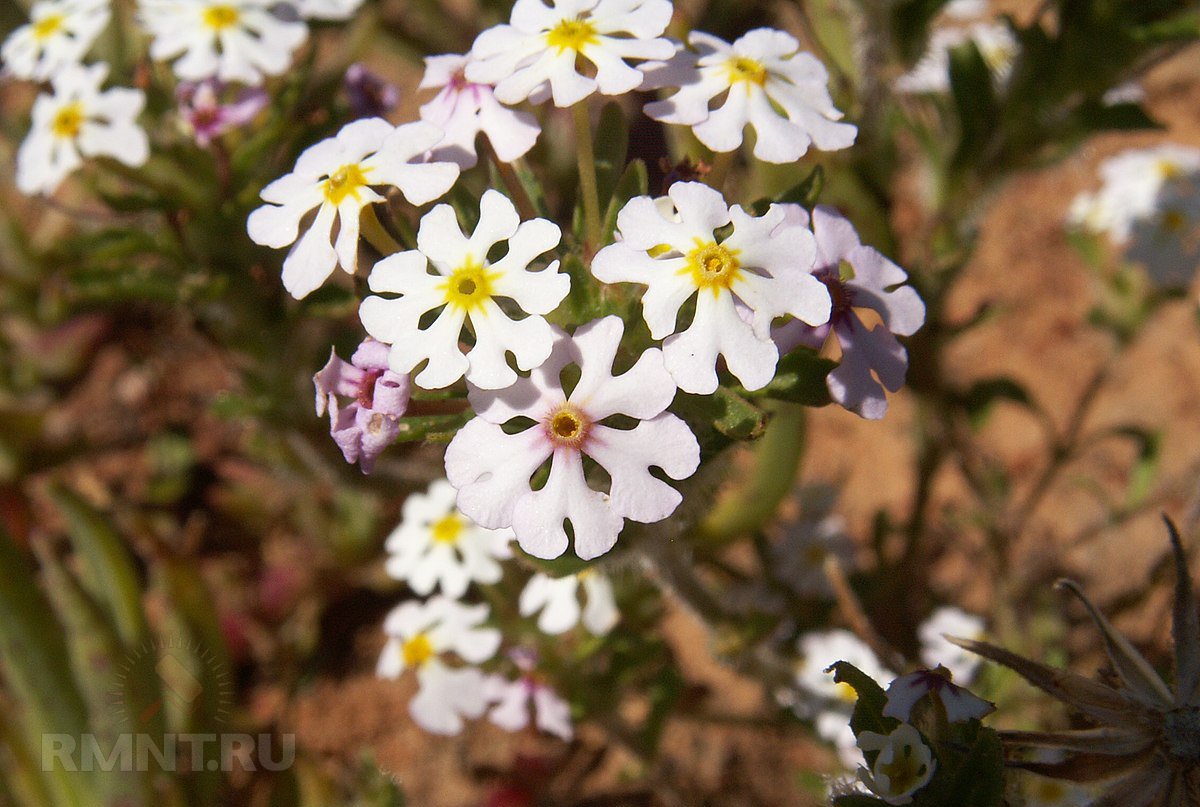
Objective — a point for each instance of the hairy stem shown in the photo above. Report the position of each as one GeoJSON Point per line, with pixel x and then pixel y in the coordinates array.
{"type": "Point", "coordinates": [588, 189]}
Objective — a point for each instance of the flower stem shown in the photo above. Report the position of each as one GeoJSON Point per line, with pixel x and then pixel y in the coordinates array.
{"type": "Point", "coordinates": [721, 164]}
{"type": "Point", "coordinates": [513, 183]}
{"type": "Point", "coordinates": [376, 235]}
{"type": "Point", "coordinates": [587, 178]}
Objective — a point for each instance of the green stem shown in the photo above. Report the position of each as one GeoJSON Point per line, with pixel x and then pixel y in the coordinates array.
{"type": "Point", "coordinates": [376, 235]}
{"type": "Point", "coordinates": [721, 164]}
{"type": "Point", "coordinates": [513, 183]}
{"type": "Point", "coordinates": [588, 188]}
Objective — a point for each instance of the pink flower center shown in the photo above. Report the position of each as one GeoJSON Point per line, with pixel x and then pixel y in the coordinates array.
{"type": "Point", "coordinates": [366, 388]}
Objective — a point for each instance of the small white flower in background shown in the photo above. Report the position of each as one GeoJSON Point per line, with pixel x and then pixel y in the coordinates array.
{"type": "Point", "coordinates": [959, 704]}
{"type": "Point", "coordinates": [435, 545]}
{"type": "Point", "coordinates": [557, 598]}
{"type": "Point", "coordinates": [419, 635]}
{"type": "Point", "coordinates": [904, 765]}
{"type": "Point", "coordinates": [463, 109]}
{"type": "Point", "coordinates": [492, 468]}
{"type": "Point", "coordinates": [936, 649]}
{"type": "Point", "coordinates": [328, 9]}
{"type": "Point", "coordinates": [57, 36]}
{"type": "Point", "coordinates": [465, 287]}
{"type": "Point", "coordinates": [336, 176]}
{"type": "Point", "coordinates": [513, 700]}
{"type": "Point", "coordinates": [1167, 243]}
{"type": "Point", "coordinates": [858, 277]}
{"type": "Point", "coordinates": [965, 9]}
{"type": "Point", "coordinates": [76, 121]}
{"type": "Point", "coordinates": [768, 84]}
{"type": "Point", "coordinates": [798, 558]}
{"type": "Point", "coordinates": [541, 46]}
{"type": "Point", "coordinates": [1128, 93]}
{"type": "Point", "coordinates": [229, 40]}
{"type": "Point", "coordinates": [762, 269]}
{"type": "Point", "coordinates": [931, 75]}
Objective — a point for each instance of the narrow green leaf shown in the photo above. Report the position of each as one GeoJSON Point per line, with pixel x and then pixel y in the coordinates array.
{"type": "Point", "coordinates": [974, 102]}
{"type": "Point", "coordinates": [800, 378]}
{"type": "Point", "coordinates": [612, 147]}
{"type": "Point", "coordinates": [868, 709]}
{"type": "Point", "coordinates": [634, 182]}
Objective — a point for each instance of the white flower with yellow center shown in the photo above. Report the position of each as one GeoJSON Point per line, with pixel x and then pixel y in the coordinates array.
{"type": "Point", "coordinates": [1132, 189]}
{"type": "Point", "coordinates": [557, 600]}
{"type": "Point", "coordinates": [492, 466]}
{"type": "Point", "coordinates": [903, 766]}
{"type": "Point", "coordinates": [78, 121]}
{"type": "Point", "coordinates": [230, 40]}
{"type": "Point", "coordinates": [767, 83]}
{"type": "Point", "coordinates": [761, 271]}
{"type": "Point", "coordinates": [466, 286]}
{"type": "Point", "coordinates": [931, 75]}
{"type": "Point", "coordinates": [436, 545]}
{"type": "Point", "coordinates": [543, 46]}
{"type": "Point", "coordinates": [336, 177]}
{"type": "Point", "coordinates": [421, 635]}
{"type": "Point", "coordinates": [57, 36]}
{"type": "Point", "coordinates": [936, 649]}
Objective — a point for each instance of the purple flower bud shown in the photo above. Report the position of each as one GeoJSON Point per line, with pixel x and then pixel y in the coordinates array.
{"type": "Point", "coordinates": [369, 95]}
{"type": "Point", "coordinates": [369, 422]}
{"type": "Point", "coordinates": [207, 118]}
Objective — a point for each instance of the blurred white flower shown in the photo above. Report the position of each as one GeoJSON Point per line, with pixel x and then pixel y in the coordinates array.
{"type": "Point", "coordinates": [557, 598]}
{"type": "Point", "coordinates": [76, 121]}
{"type": "Point", "coordinates": [959, 704]}
{"type": "Point", "coordinates": [1131, 189]}
{"type": "Point", "coordinates": [767, 83]}
{"type": "Point", "coordinates": [328, 9]}
{"type": "Point", "coordinates": [436, 545]}
{"type": "Point", "coordinates": [464, 288]}
{"type": "Point", "coordinates": [419, 635]}
{"type": "Point", "coordinates": [965, 9]}
{"type": "Point", "coordinates": [931, 74]}
{"type": "Point", "coordinates": [798, 558]}
{"type": "Point", "coordinates": [57, 36]}
{"type": "Point", "coordinates": [1167, 242]}
{"type": "Point", "coordinates": [905, 764]}
{"type": "Point", "coordinates": [492, 468]}
{"type": "Point", "coordinates": [513, 700]}
{"type": "Point", "coordinates": [935, 649]}
{"type": "Point", "coordinates": [336, 176]}
{"type": "Point", "coordinates": [463, 109]}
{"type": "Point", "coordinates": [542, 45]}
{"type": "Point", "coordinates": [230, 40]}
{"type": "Point", "coordinates": [761, 271]}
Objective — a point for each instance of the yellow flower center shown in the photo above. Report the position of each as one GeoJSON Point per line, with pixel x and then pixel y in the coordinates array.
{"type": "Point", "coordinates": [573, 35]}
{"type": "Point", "coordinates": [904, 772]}
{"type": "Point", "coordinates": [742, 68]}
{"type": "Point", "coordinates": [68, 121]}
{"type": "Point", "coordinates": [48, 26]}
{"type": "Point", "coordinates": [346, 181]}
{"type": "Point", "coordinates": [1168, 169]}
{"type": "Point", "coordinates": [448, 529]}
{"type": "Point", "coordinates": [220, 17]}
{"type": "Point", "coordinates": [567, 427]}
{"type": "Point", "coordinates": [712, 266]}
{"type": "Point", "coordinates": [417, 650]}
{"type": "Point", "coordinates": [845, 693]}
{"type": "Point", "coordinates": [469, 286]}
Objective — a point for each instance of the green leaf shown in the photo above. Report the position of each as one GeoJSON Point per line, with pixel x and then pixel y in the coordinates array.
{"type": "Point", "coordinates": [729, 413]}
{"type": "Point", "coordinates": [974, 102]}
{"type": "Point", "coordinates": [1181, 27]}
{"type": "Point", "coordinates": [1096, 116]}
{"type": "Point", "coordinates": [868, 709]}
{"type": "Point", "coordinates": [1145, 467]}
{"type": "Point", "coordinates": [980, 400]}
{"type": "Point", "coordinates": [975, 778]}
{"type": "Point", "coordinates": [436, 428]}
{"type": "Point", "coordinates": [910, 26]}
{"type": "Point", "coordinates": [634, 182]}
{"type": "Point", "coordinates": [612, 147]}
{"type": "Point", "coordinates": [799, 378]}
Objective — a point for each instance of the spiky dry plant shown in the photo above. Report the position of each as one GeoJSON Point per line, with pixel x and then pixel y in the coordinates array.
{"type": "Point", "coordinates": [1145, 748]}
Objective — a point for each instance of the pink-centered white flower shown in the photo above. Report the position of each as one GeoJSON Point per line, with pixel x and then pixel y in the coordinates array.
{"type": "Point", "coordinates": [437, 546]}
{"type": "Point", "coordinates": [492, 468]}
{"type": "Point", "coordinates": [903, 763]}
{"type": "Point", "coordinates": [514, 700]}
{"type": "Point", "coordinates": [556, 601]}
{"type": "Point", "coordinates": [958, 703]}
{"type": "Point", "coordinates": [542, 46]}
{"type": "Point", "coordinates": [229, 40]}
{"type": "Point", "coordinates": [762, 270]}
{"type": "Point", "coordinates": [762, 81]}
{"type": "Point", "coordinates": [465, 287]}
{"type": "Point", "coordinates": [463, 109]}
{"type": "Point", "coordinates": [424, 636]}
{"type": "Point", "coordinates": [58, 35]}
{"type": "Point", "coordinates": [78, 120]}
{"type": "Point", "coordinates": [337, 177]}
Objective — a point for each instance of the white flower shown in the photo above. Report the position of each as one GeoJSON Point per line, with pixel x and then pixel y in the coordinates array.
{"type": "Point", "coordinates": [965, 9]}
{"type": "Point", "coordinates": [935, 649]}
{"type": "Point", "coordinates": [336, 176]}
{"type": "Point", "coordinates": [1167, 243]}
{"type": "Point", "coordinates": [1131, 190]}
{"type": "Point", "coordinates": [931, 74]}
{"type": "Point", "coordinates": [463, 109]}
{"type": "Point", "coordinates": [819, 651]}
{"type": "Point", "coordinates": [437, 545]}
{"type": "Point", "coordinates": [959, 704]}
{"type": "Point", "coordinates": [512, 700]}
{"type": "Point", "coordinates": [558, 600]}
{"type": "Point", "coordinates": [231, 40]}
{"type": "Point", "coordinates": [419, 633]}
{"type": "Point", "coordinates": [761, 269]}
{"type": "Point", "coordinates": [492, 468]}
{"type": "Point", "coordinates": [328, 9]}
{"type": "Point", "coordinates": [77, 121]}
{"type": "Point", "coordinates": [798, 558]}
{"type": "Point", "coordinates": [904, 765]}
{"type": "Point", "coordinates": [542, 45]}
{"type": "Point", "coordinates": [769, 84]}
{"type": "Point", "coordinates": [57, 36]}
{"type": "Point", "coordinates": [465, 287]}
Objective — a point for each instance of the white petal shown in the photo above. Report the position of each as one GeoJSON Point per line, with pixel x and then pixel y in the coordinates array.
{"type": "Point", "coordinates": [539, 516]}
{"type": "Point", "coordinates": [491, 470]}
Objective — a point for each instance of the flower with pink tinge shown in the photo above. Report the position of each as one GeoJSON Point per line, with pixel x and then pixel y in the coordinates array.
{"type": "Point", "coordinates": [369, 423]}
{"type": "Point", "coordinates": [513, 699]}
{"type": "Point", "coordinates": [872, 358]}
{"type": "Point", "coordinates": [492, 468]}
{"type": "Point", "coordinates": [370, 96]}
{"type": "Point", "coordinates": [463, 109]}
{"type": "Point", "coordinates": [557, 598]}
{"type": "Point", "coordinates": [741, 283]}
{"type": "Point", "coordinates": [763, 81]}
{"type": "Point", "coordinates": [206, 118]}
{"type": "Point", "coordinates": [960, 704]}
